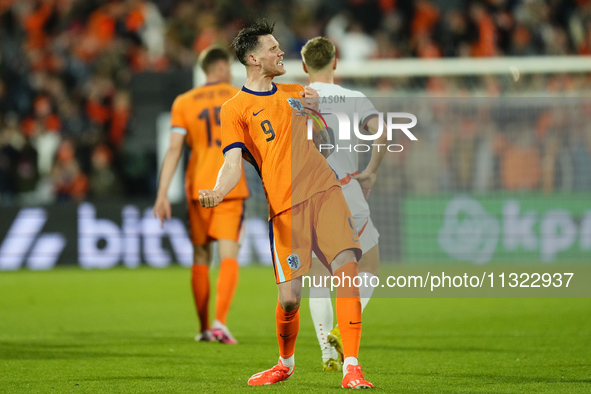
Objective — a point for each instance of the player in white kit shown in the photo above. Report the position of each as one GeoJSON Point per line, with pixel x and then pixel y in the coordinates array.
{"type": "Point", "coordinates": [319, 61]}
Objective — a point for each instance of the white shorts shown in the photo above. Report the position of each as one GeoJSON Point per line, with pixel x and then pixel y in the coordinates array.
{"type": "Point", "coordinates": [368, 234]}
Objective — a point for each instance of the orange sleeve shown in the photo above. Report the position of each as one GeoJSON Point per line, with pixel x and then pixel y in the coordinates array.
{"type": "Point", "coordinates": [177, 120]}
{"type": "Point", "coordinates": [233, 136]}
{"type": "Point", "coordinates": [232, 129]}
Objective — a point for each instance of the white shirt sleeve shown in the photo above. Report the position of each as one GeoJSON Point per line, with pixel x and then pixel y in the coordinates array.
{"type": "Point", "coordinates": [365, 109]}
{"type": "Point", "coordinates": [180, 130]}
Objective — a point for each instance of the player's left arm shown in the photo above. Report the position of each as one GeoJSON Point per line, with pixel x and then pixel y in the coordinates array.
{"type": "Point", "coordinates": [320, 136]}
{"type": "Point", "coordinates": [228, 178]}
{"type": "Point", "coordinates": [367, 177]}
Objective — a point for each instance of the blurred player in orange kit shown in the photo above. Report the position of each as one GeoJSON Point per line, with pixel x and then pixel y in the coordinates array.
{"type": "Point", "coordinates": [196, 121]}
{"type": "Point", "coordinates": [266, 123]}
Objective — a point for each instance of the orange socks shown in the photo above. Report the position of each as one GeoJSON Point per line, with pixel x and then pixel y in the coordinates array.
{"type": "Point", "coordinates": [288, 326]}
{"type": "Point", "coordinates": [200, 284]}
{"type": "Point", "coordinates": [349, 310]}
{"type": "Point", "coordinates": [227, 282]}
{"type": "Point", "coordinates": [226, 287]}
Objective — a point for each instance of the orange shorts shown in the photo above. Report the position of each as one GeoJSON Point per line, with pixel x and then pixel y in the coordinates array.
{"type": "Point", "coordinates": [222, 222]}
{"type": "Point", "coordinates": [322, 224]}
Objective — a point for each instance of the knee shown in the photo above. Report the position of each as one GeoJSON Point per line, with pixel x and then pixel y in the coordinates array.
{"type": "Point", "coordinates": [290, 304]}
{"type": "Point", "coordinates": [372, 267]}
{"type": "Point", "coordinates": [200, 260]}
{"type": "Point", "coordinates": [201, 255]}
{"type": "Point", "coordinates": [375, 270]}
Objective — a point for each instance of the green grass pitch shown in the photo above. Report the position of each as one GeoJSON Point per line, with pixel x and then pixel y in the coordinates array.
{"type": "Point", "coordinates": [131, 331]}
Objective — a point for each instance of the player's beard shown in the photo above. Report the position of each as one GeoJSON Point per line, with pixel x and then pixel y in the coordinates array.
{"type": "Point", "coordinates": [273, 71]}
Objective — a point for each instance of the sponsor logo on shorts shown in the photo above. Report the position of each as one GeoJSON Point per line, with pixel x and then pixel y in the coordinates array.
{"type": "Point", "coordinates": [293, 260]}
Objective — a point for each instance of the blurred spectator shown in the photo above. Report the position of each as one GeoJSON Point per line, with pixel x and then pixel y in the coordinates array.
{"type": "Point", "coordinates": [455, 35]}
{"type": "Point", "coordinates": [5, 104]}
{"type": "Point", "coordinates": [422, 176]}
{"type": "Point", "coordinates": [42, 119]}
{"type": "Point", "coordinates": [12, 142]}
{"type": "Point", "coordinates": [46, 144]}
{"type": "Point", "coordinates": [99, 94]}
{"type": "Point", "coordinates": [70, 184]}
{"type": "Point", "coordinates": [585, 43]}
{"type": "Point", "coordinates": [521, 42]}
{"type": "Point", "coordinates": [486, 153]}
{"type": "Point", "coordinates": [150, 25]}
{"type": "Point", "coordinates": [581, 157]}
{"type": "Point", "coordinates": [120, 118]}
{"type": "Point", "coordinates": [351, 41]}
{"type": "Point", "coordinates": [463, 151]}
{"type": "Point", "coordinates": [486, 45]}
{"type": "Point", "coordinates": [103, 180]}
{"type": "Point", "coordinates": [556, 41]}
{"type": "Point", "coordinates": [552, 129]}
{"type": "Point", "coordinates": [385, 46]}
{"type": "Point", "coordinates": [422, 26]}
{"type": "Point", "coordinates": [209, 32]}
{"type": "Point", "coordinates": [557, 165]}
{"type": "Point", "coordinates": [74, 122]}
{"type": "Point", "coordinates": [521, 165]}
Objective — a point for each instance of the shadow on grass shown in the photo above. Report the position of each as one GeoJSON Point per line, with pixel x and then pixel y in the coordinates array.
{"type": "Point", "coordinates": [499, 379]}
{"type": "Point", "coordinates": [435, 349]}
{"type": "Point", "coordinates": [43, 351]}
{"type": "Point", "coordinates": [124, 378]}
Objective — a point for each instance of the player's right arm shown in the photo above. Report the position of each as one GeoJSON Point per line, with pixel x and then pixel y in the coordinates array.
{"type": "Point", "coordinates": [169, 164]}
{"type": "Point", "coordinates": [171, 160]}
{"type": "Point", "coordinates": [231, 171]}
{"type": "Point", "coordinates": [367, 178]}
{"type": "Point", "coordinates": [228, 178]}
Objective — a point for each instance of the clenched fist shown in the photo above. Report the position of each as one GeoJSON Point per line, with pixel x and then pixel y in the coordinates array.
{"type": "Point", "coordinates": [209, 198]}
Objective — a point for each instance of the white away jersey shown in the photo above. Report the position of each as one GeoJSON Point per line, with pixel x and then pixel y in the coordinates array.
{"type": "Point", "coordinates": [335, 97]}
{"type": "Point", "coordinates": [343, 162]}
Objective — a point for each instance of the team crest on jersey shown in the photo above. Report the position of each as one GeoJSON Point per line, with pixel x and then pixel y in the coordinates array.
{"type": "Point", "coordinates": [293, 260]}
{"type": "Point", "coordinates": [295, 104]}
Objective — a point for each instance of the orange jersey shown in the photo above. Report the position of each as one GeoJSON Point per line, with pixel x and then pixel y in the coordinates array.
{"type": "Point", "coordinates": [273, 138]}
{"type": "Point", "coordinates": [196, 114]}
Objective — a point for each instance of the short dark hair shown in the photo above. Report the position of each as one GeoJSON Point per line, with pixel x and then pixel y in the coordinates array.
{"type": "Point", "coordinates": [212, 55]}
{"type": "Point", "coordinates": [247, 39]}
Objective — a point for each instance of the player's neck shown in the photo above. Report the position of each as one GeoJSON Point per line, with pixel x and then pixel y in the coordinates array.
{"type": "Point", "coordinates": [259, 83]}
{"type": "Point", "coordinates": [212, 80]}
{"type": "Point", "coordinates": [323, 77]}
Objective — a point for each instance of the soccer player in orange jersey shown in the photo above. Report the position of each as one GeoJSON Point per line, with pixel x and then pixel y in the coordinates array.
{"type": "Point", "coordinates": [196, 121]}
{"type": "Point", "coordinates": [306, 205]}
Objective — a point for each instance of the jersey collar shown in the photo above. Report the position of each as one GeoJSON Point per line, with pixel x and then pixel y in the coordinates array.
{"type": "Point", "coordinates": [267, 93]}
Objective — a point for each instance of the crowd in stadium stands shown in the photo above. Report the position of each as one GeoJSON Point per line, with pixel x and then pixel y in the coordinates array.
{"type": "Point", "coordinates": [537, 150]}
{"type": "Point", "coordinates": [66, 66]}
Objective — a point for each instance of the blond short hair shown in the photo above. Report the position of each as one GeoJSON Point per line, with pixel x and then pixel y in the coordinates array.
{"type": "Point", "coordinates": [318, 53]}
